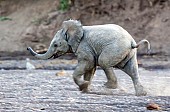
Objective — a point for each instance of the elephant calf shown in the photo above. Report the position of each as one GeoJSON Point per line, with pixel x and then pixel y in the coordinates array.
{"type": "Point", "coordinates": [106, 46]}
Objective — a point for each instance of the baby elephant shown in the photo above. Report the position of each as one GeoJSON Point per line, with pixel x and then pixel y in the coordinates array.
{"type": "Point", "coordinates": [106, 46]}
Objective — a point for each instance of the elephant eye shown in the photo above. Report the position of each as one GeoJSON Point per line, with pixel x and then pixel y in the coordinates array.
{"type": "Point", "coordinates": [55, 45]}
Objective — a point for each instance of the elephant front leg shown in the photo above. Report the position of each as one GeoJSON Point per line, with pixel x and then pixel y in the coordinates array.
{"type": "Point", "coordinates": [88, 77]}
{"type": "Point", "coordinates": [80, 70]}
{"type": "Point", "coordinates": [111, 78]}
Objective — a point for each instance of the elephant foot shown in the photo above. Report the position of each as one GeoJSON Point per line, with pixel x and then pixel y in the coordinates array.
{"type": "Point", "coordinates": [111, 84]}
{"type": "Point", "coordinates": [140, 91]}
{"type": "Point", "coordinates": [84, 87]}
{"type": "Point", "coordinates": [85, 90]}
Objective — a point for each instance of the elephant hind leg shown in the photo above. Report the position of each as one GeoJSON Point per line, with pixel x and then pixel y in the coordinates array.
{"type": "Point", "coordinates": [131, 68]}
{"type": "Point", "coordinates": [111, 78]}
{"type": "Point", "coordinates": [106, 61]}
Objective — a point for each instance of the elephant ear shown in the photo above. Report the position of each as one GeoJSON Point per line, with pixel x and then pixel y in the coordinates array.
{"type": "Point", "coordinates": [74, 31]}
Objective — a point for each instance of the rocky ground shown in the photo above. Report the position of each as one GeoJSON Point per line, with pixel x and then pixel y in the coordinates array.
{"type": "Point", "coordinates": [50, 88]}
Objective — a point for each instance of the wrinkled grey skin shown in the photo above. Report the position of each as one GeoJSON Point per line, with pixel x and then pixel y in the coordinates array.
{"type": "Point", "coordinates": [106, 46]}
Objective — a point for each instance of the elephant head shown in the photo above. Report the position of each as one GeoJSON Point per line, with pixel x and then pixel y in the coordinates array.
{"type": "Point", "coordinates": [65, 39]}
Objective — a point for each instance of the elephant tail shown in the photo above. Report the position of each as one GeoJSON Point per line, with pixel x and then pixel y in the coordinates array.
{"type": "Point", "coordinates": [141, 42]}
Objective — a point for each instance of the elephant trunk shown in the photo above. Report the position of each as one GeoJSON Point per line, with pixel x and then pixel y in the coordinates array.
{"type": "Point", "coordinates": [46, 55]}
